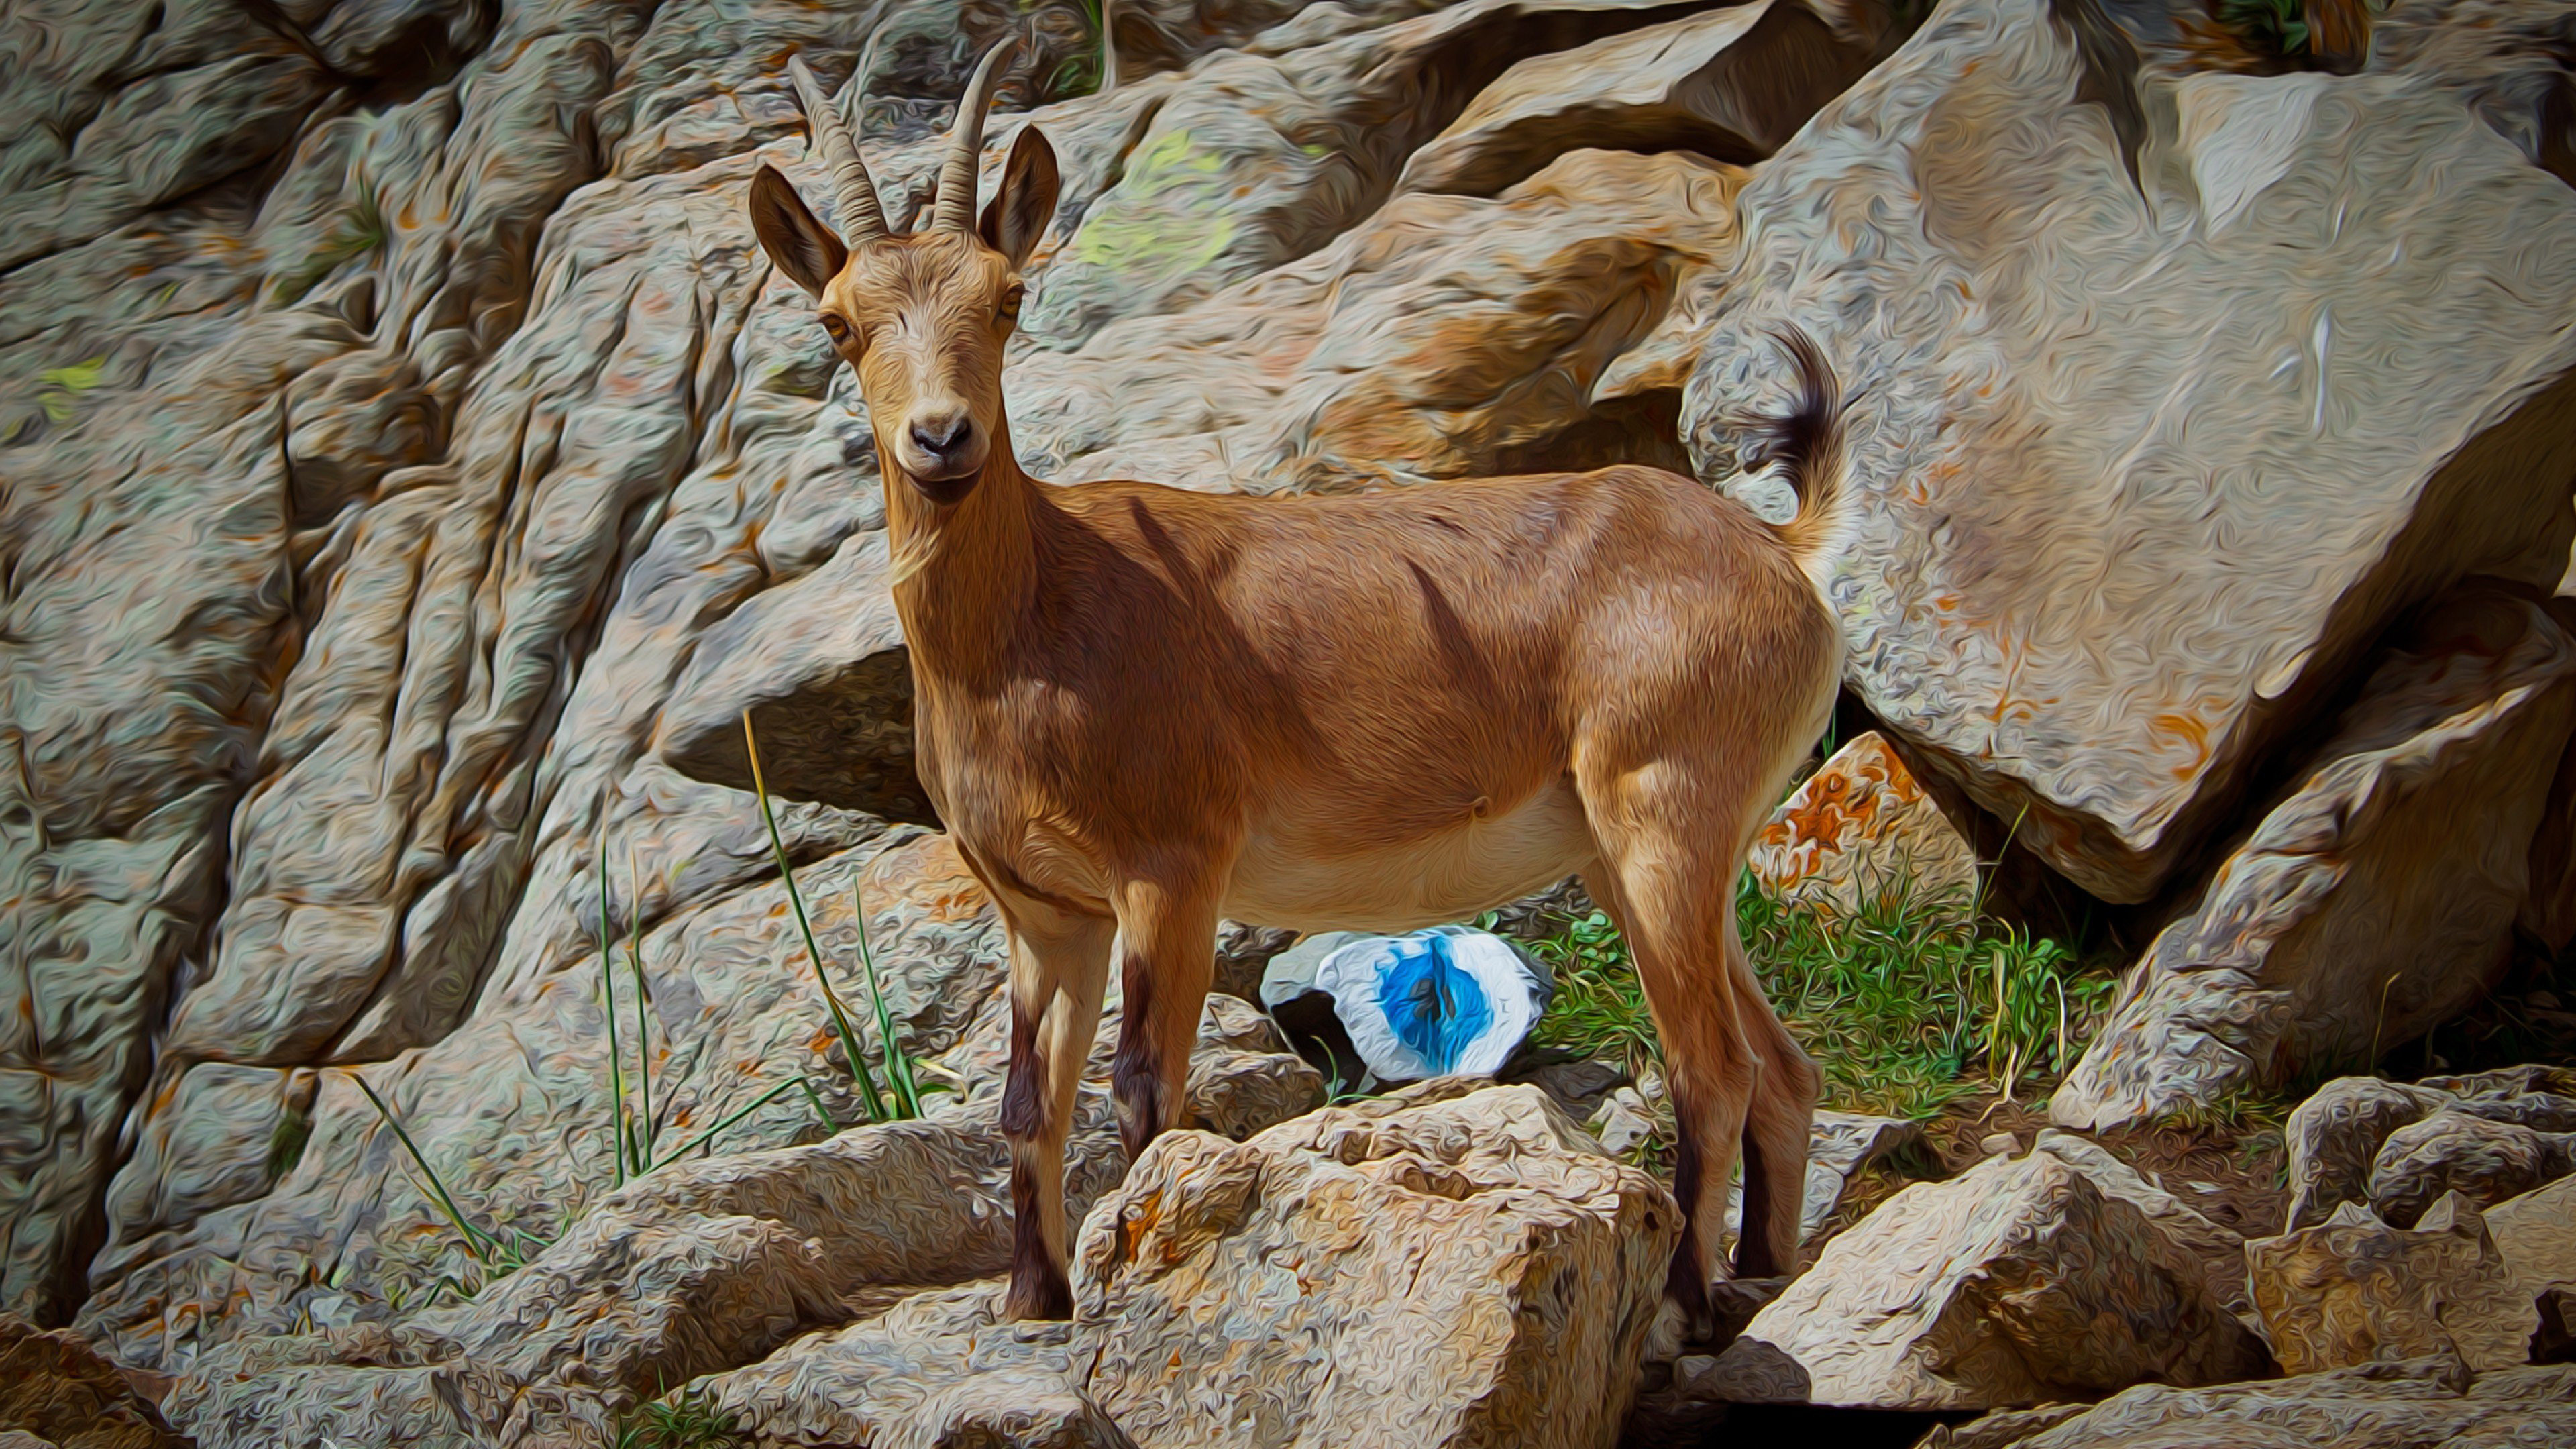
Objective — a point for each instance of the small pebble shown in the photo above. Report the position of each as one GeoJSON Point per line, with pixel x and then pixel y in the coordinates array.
{"type": "Point", "coordinates": [1999, 1145]}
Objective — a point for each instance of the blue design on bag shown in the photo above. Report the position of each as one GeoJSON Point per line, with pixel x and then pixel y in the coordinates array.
{"type": "Point", "coordinates": [1436, 1008]}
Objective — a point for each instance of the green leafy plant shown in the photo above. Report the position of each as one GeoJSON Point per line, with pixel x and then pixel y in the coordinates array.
{"type": "Point", "coordinates": [633, 1134]}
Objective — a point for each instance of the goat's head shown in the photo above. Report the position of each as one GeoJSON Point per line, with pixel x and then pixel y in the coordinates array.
{"type": "Point", "coordinates": [921, 318]}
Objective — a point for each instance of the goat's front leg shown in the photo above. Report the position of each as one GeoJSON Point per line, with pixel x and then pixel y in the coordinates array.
{"type": "Point", "coordinates": [1167, 957]}
{"type": "Point", "coordinates": [1059, 970]}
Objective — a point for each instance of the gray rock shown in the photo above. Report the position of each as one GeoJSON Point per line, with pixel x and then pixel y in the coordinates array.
{"type": "Point", "coordinates": [2106, 557]}
{"type": "Point", "coordinates": [820, 664]}
{"type": "Point", "coordinates": [2334, 1138]}
{"type": "Point", "coordinates": [1731, 84]}
{"type": "Point", "coordinates": [56, 1390]}
{"type": "Point", "coordinates": [1259, 160]}
{"type": "Point", "coordinates": [2536, 1235]}
{"type": "Point", "coordinates": [2220, 1249]}
{"type": "Point", "coordinates": [2483, 1160]}
{"type": "Point", "coordinates": [1622, 1122]}
{"type": "Point", "coordinates": [1838, 1145]}
{"type": "Point", "coordinates": [2015, 1283]}
{"type": "Point", "coordinates": [2377, 895]}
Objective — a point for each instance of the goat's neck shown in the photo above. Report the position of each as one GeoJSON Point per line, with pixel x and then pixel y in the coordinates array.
{"type": "Point", "coordinates": [965, 573]}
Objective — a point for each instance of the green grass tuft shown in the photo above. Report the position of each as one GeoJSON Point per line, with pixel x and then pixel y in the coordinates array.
{"type": "Point", "coordinates": [687, 1420]}
{"type": "Point", "coordinates": [360, 229]}
{"type": "Point", "coordinates": [1905, 1006]}
{"type": "Point", "coordinates": [2272, 27]}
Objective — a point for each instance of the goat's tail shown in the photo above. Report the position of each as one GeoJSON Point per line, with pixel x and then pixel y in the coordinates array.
{"type": "Point", "coordinates": [1806, 442]}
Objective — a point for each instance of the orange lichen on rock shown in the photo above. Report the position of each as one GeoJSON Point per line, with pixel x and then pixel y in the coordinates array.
{"type": "Point", "coordinates": [1860, 827]}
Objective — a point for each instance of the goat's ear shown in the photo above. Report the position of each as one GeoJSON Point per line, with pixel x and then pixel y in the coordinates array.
{"type": "Point", "coordinates": [803, 247]}
{"type": "Point", "coordinates": [1020, 211]}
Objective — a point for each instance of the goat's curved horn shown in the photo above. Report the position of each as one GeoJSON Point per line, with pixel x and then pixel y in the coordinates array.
{"type": "Point", "coordinates": [966, 142]}
{"type": "Point", "coordinates": [862, 215]}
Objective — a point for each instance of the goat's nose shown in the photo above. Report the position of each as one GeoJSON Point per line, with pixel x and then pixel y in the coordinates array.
{"type": "Point", "coordinates": [940, 434]}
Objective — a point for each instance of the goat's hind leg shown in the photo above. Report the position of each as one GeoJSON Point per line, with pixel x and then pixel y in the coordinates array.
{"type": "Point", "coordinates": [1167, 958]}
{"type": "Point", "coordinates": [1059, 970]}
{"type": "Point", "coordinates": [1777, 1127]}
{"type": "Point", "coordinates": [1662, 895]}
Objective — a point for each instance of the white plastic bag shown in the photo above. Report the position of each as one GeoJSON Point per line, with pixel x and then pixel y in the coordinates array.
{"type": "Point", "coordinates": [1446, 1001]}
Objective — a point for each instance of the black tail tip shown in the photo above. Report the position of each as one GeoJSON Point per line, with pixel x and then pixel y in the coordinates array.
{"type": "Point", "coordinates": [1798, 436]}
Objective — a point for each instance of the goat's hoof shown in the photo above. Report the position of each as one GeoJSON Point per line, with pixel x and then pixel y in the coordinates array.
{"type": "Point", "coordinates": [1038, 1293]}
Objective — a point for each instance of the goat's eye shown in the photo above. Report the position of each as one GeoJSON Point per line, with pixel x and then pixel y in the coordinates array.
{"type": "Point", "coordinates": [838, 330]}
{"type": "Point", "coordinates": [1011, 296]}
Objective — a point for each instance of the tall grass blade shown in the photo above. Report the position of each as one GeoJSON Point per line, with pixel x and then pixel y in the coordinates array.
{"type": "Point", "coordinates": [832, 999]}
{"type": "Point", "coordinates": [643, 1029]}
{"type": "Point", "coordinates": [763, 1100]}
{"type": "Point", "coordinates": [476, 1243]}
{"type": "Point", "coordinates": [898, 1062]}
{"type": "Point", "coordinates": [608, 993]}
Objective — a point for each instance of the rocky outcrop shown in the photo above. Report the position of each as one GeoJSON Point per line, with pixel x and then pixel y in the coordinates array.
{"type": "Point", "coordinates": [2108, 557]}
{"type": "Point", "coordinates": [2377, 896]}
{"type": "Point", "coordinates": [2381, 1406]}
{"type": "Point", "coordinates": [1861, 830]}
{"type": "Point", "coordinates": [1431, 1269]}
{"type": "Point", "coordinates": [697, 1268]}
{"type": "Point", "coordinates": [2017, 1282]}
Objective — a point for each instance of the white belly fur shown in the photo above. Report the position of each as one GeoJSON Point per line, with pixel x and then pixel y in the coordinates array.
{"type": "Point", "coordinates": [1480, 865]}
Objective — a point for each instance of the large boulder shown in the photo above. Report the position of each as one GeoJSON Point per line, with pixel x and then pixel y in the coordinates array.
{"type": "Point", "coordinates": [2105, 557]}
{"type": "Point", "coordinates": [2017, 1282]}
{"type": "Point", "coordinates": [2376, 896]}
{"type": "Point", "coordinates": [2431, 1401]}
{"type": "Point", "coordinates": [1435, 1268]}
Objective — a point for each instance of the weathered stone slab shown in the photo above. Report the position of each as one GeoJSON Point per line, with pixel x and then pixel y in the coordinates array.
{"type": "Point", "coordinates": [2378, 1406]}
